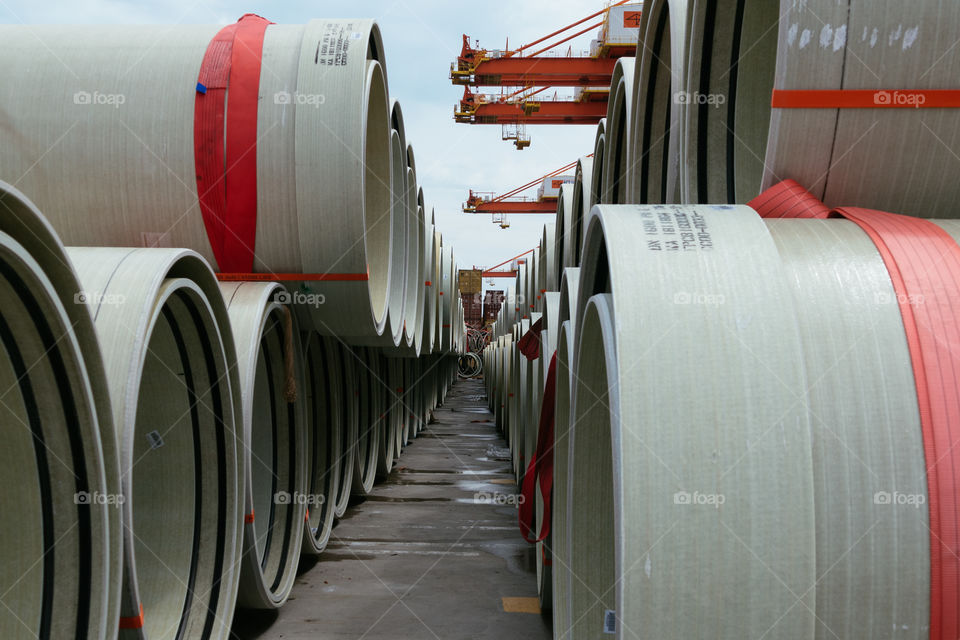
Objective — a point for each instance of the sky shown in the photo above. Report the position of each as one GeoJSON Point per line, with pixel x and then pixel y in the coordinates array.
{"type": "Point", "coordinates": [421, 39]}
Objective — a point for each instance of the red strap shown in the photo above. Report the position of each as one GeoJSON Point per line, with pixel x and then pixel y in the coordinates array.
{"type": "Point", "coordinates": [924, 265]}
{"type": "Point", "coordinates": [529, 344]}
{"type": "Point", "coordinates": [541, 466]}
{"type": "Point", "coordinates": [132, 622]}
{"type": "Point", "coordinates": [226, 156]}
{"type": "Point", "coordinates": [788, 199]}
{"type": "Point", "coordinates": [865, 99]}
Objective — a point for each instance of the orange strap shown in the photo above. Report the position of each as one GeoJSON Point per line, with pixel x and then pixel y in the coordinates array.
{"type": "Point", "coordinates": [865, 99]}
{"type": "Point", "coordinates": [248, 518]}
{"type": "Point", "coordinates": [132, 622]}
{"type": "Point", "coordinates": [788, 199]}
{"type": "Point", "coordinates": [924, 265]}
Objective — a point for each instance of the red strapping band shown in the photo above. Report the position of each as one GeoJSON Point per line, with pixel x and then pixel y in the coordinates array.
{"type": "Point", "coordinates": [924, 266]}
{"type": "Point", "coordinates": [132, 622]}
{"type": "Point", "coordinates": [293, 277]}
{"type": "Point", "coordinates": [226, 156]}
{"type": "Point", "coordinates": [865, 99]}
{"type": "Point", "coordinates": [788, 199]}
{"type": "Point", "coordinates": [428, 283]}
{"type": "Point", "coordinates": [248, 518]}
{"type": "Point", "coordinates": [541, 466]}
{"type": "Point", "coordinates": [529, 344]}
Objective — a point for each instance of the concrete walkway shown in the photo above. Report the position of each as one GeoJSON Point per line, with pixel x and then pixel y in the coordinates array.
{"type": "Point", "coordinates": [432, 553]}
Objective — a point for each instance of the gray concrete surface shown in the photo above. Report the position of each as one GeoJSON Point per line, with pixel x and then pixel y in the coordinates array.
{"type": "Point", "coordinates": [430, 554]}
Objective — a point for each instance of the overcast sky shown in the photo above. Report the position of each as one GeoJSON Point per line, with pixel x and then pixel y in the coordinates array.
{"type": "Point", "coordinates": [421, 38]}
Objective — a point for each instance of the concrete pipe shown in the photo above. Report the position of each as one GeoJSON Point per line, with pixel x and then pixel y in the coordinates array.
{"type": "Point", "coordinates": [429, 290]}
{"type": "Point", "coordinates": [389, 415]}
{"type": "Point", "coordinates": [730, 77]}
{"type": "Point", "coordinates": [659, 80]}
{"type": "Point", "coordinates": [393, 330]}
{"type": "Point", "coordinates": [596, 176]}
{"type": "Point", "coordinates": [318, 114]}
{"type": "Point", "coordinates": [171, 366]}
{"type": "Point", "coordinates": [368, 434]}
{"type": "Point", "coordinates": [270, 363]}
{"type": "Point", "coordinates": [532, 392]}
{"type": "Point", "coordinates": [61, 558]}
{"type": "Point", "coordinates": [867, 434]}
{"type": "Point", "coordinates": [518, 421]}
{"type": "Point", "coordinates": [558, 543]}
{"type": "Point", "coordinates": [618, 160]}
{"type": "Point", "coordinates": [559, 530]}
{"type": "Point", "coordinates": [414, 266]}
{"type": "Point", "coordinates": [324, 449]}
{"type": "Point", "coordinates": [844, 156]}
{"type": "Point", "coordinates": [706, 473]}
{"type": "Point", "coordinates": [503, 387]}
{"type": "Point", "coordinates": [533, 282]}
{"type": "Point", "coordinates": [343, 374]}
{"type": "Point", "coordinates": [438, 299]}
{"type": "Point", "coordinates": [735, 145]}
{"type": "Point", "coordinates": [520, 289]}
{"type": "Point", "coordinates": [446, 295]}
{"type": "Point", "coordinates": [582, 204]}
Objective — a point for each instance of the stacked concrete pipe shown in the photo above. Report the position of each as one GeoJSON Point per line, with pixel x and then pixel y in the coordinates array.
{"type": "Point", "coordinates": [582, 204]}
{"type": "Point", "coordinates": [62, 556]}
{"type": "Point", "coordinates": [324, 218]}
{"type": "Point", "coordinates": [176, 397]}
{"type": "Point", "coordinates": [324, 448]}
{"type": "Point", "coordinates": [618, 159]}
{"type": "Point", "coordinates": [269, 360]}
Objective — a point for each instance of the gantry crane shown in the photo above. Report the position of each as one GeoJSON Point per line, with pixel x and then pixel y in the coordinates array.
{"type": "Point", "coordinates": [514, 263]}
{"type": "Point", "coordinates": [509, 203]}
{"type": "Point", "coordinates": [530, 73]}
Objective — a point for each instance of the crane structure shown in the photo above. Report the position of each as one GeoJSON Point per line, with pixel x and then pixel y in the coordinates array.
{"type": "Point", "coordinates": [509, 203]}
{"type": "Point", "coordinates": [524, 73]}
{"type": "Point", "coordinates": [514, 263]}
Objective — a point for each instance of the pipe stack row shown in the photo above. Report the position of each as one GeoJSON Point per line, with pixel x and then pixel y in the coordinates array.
{"type": "Point", "coordinates": [212, 343]}
{"type": "Point", "coordinates": [750, 438]}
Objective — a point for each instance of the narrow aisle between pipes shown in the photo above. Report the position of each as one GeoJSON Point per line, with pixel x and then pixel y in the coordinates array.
{"type": "Point", "coordinates": [431, 553]}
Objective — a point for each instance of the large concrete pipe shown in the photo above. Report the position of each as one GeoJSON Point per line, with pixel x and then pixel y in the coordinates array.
{"type": "Point", "coordinates": [270, 363]}
{"type": "Point", "coordinates": [172, 369]}
{"type": "Point", "coordinates": [438, 269]}
{"type": "Point", "coordinates": [618, 161]}
{"type": "Point", "coordinates": [368, 433]}
{"type": "Point", "coordinates": [582, 204]}
{"type": "Point", "coordinates": [324, 449]}
{"type": "Point", "coordinates": [548, 345]}
{"type": "Point", "coordinates": [547, 276]}
{"type": "Point", "coordinates": [341, 367]}
{"type": "Point", "coordinates": [659, 104]}
{"type": "Point", "coordinates": [446, 297]}
{"type": "Point", "coordinates": [558, 543]}
{"type": "Point", "coordinates": [835, 144]}
{"type": "Point", "coordinates": [599, 151]}
{"type": "Point", "coordinates": [429, 289]}
{"type": "Point", "coordinates": [662, 488]}
{"type": "Point", "coordinates": [560, 526]}
{"type": "Point", "coordinates": [61, 546]}
{"type": "Point", "coordinates": [315, 197]}
{"type": "Point", "coordinates": [414, 263]}
{"type": "Point", "coordinates": [727, 108]}
{"type": "Point", "coordinates": [532, 392]}
{"type": "Point", "coordinates": [867, 435]}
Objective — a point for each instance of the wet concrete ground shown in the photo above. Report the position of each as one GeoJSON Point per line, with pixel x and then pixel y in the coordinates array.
{"type": "Point", "coordinates": [431, 553]}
